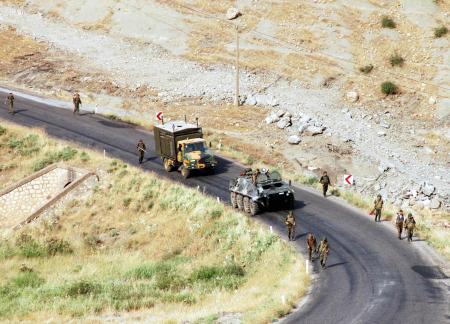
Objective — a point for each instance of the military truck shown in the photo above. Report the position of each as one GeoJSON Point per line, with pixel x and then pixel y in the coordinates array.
{"type": "Point", "coordinates": [253, 192]}
{"type": "Point", "coordinates": [182, 147]}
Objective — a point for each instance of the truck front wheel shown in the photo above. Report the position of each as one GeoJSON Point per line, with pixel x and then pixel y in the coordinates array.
{"type": "Point", "coordinates": [185, 172]}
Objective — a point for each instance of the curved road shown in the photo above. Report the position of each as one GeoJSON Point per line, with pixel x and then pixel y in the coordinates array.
{"type": "Point", "coordinates": [372, 277]}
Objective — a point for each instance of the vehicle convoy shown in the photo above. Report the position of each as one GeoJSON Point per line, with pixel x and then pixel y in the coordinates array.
{"type": "Point", "coordinates": [253, 192]}
{"type": "Point", "coordinates": [182, 147]}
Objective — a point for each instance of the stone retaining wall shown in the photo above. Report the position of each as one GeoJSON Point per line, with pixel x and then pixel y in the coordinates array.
{"type": "Point", "coordinates": [23, 199]}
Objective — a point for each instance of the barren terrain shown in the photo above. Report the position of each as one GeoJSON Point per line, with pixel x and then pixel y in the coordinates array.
{"type": "Point", "coordinates": [299, 60]}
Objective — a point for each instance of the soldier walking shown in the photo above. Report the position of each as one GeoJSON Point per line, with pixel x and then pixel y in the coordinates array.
{"type": "Point", "coordinates": [141, 150]}
{"type": "Point", "coordinates": [290, 224]}
{"type": "Point", "coordinates": [324, 249]}
{"type": "Point", "coordinates": [377, 207]}
{"type": "Point", "coordinates": [410, 225]}
{"type": "Point", "coordinates": [312, 244]}
{"type": "Point", "coordinates": [10, 101]}
{"type": "Point", "coordinates": [399, 223]}
{"type": "Point", "coordinates": [325, 181]}
{"type": "Point", "coordinates": [76, 103]}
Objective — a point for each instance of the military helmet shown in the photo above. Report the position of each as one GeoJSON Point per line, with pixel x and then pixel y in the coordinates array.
{"type": "Point", "coordinates": [409, 215]}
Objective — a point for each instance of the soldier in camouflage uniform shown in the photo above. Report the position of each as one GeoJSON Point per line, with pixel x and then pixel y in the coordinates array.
{"type": "Point", "coordinates": [377, 207]}
{"type": "Point", "coordinates": [290, 224]}
{"type": "Point", "coordinates": [10, 101]}
{"type": "Point", "coordinates": [410, 225]}
{"type": "Point", "coordinates": [325, 181]}
{"type": "Point", "coordinates": [399, 223]}
{"type": "Point", "coordinates": [141, 150]}
{"type": "Point", "coordinates": [76, 103]}
{"type": "Point", "coordinates": [312, 244]}
{"type": "Point", "coordinates": [324, 249]}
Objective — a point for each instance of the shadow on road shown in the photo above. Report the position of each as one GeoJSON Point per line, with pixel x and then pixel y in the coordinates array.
{"type": "Point", "coordinates": [430, 272]}
{"type": "Point", "coordinates": [336, 264]}
{"type": "Point", "coordinates": [114, 124]}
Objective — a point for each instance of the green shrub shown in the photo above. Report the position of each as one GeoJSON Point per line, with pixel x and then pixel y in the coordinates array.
{"type": "Point", "coordinates": [27, 279]}
{"type": "Point", "coordinates": [2, 130]}
{"type": "Point", "coordinates": [29, 247]}
{"type": "Point", "coordinates": [25, 146]}
{"type": "Point", "coordinates": [229, 276]}
{"type": "Point", "coordinates": [65, 154]}
{"type": "Point", "coordinates": [389, 88]}
{"type": "Point", "coordinates": [438, 32]}
{"type": "Point", "coordinates": [84, 157]}
{"type": "Point", "coordinates": [127, 201]}
{"type": "Point", "coordinates": [396, 60]}
{"type": "Point", "coordinates": [58, 246]}
{"type": "Point", "coordinates": [366, 69]}
{"type": "Point", "coordinates": [83, 287]}
{"type": "Point", "coordinates": [387, 22]}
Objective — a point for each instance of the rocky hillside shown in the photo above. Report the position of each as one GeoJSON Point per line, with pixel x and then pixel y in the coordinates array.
{"type": "Point", "coordinates": [317, 68]}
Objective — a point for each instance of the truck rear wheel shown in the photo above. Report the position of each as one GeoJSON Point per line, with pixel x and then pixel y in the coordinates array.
{"type": "Point", "coordinates": [167, 165]}
{"type": "Point", "coordinates": [254, 208]}
{"type": "Point", "coordinates": [246, 204]}
{"type": "Point", "coordinates": [240, 202]}
{"type": "Point", "coordinates": [185, 172]}
{"type": "Point", "coordinates": [233, 200]}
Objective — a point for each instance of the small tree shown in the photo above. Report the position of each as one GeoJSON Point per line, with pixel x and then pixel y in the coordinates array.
{"type": "Point", "coordinates": [366, 69]}
{"type": "Point", "coordinates": [441, 31]}
{"type": "Point", "coordinates": [396, 60]}
{"type": "Point", "coordinates": [389, 88]}
{"type": "Point", "coordinates": [387, 22]}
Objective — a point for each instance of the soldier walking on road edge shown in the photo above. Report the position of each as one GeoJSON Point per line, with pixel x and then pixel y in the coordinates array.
{"type": "Point", "coordinates": [399, 223]}
{"type": "Point", "coordinates": [76, 103]}
{"type": "Point", "coordinates": [312, 244]}
{"type": "Point", "coordinates": [410, 225]}
{"type": "Point", "coordinates": [141, 150]}
{"type": "Point", "coordinates": [10, 101]}
{"type": "Point", "coordinates": [290, 224]}
{"type": "Point", "coordinates": [377, 207]}
{"type": "Point", "coordinates": [324, 249]}
{"type": "Point", "coordinates": [325, 181]}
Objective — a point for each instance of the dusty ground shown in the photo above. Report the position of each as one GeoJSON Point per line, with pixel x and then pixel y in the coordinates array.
{"type": "Point", "coordinates": [302, 56]}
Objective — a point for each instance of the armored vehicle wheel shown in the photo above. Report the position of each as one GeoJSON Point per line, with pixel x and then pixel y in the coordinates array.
{"type": "Point", "coordinates": [254, 208]}
{"type": "Point", "coordinates": [246, 204]}
{"type": "Point", "coordinates": [211, 171]}
{"type": "Point", "coordinates": [167, 166]}
{"type": "Point", "coordinates": [240, 202]}
{"type": "Point", "coordinates": [185, 172]}
{"type": "Point", "coordinates": [233, 200]}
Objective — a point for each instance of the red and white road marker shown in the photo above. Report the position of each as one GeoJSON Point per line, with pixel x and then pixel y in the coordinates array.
{"type": "Point", "coordinates": [159, 115]}
{"type": "Point", "coordinates": [348, 179]}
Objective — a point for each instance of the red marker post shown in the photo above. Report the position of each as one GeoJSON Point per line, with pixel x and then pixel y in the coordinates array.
{"type": "Point", "coordinates": [160, 116]}
{"type": "Point", "coordinates": [348, 179]}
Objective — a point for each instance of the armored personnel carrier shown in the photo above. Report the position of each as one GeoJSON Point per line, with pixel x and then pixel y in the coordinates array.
{"type": "Point", "coordinates": [253, 192]}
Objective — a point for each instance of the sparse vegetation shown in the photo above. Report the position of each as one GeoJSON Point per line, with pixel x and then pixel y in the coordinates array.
{"type": "Point", "coordinates": [396, 60]}
{"type": "Point", "coordinates": [387, 22]}
{"type": "Point", "coordinates": [389, 88]}
{"type": "Point", "coordinates": [136, 242]}
{"type": "Point", "coordinates": [440, 31]}
{"type": "Point", "coordinates": [366, 69]}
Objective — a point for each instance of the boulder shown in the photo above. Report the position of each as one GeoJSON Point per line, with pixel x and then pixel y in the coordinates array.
{"type": "Point", "coordinates": [428, 189]}
{"type": "Point", "coordinates": [435, 203]}
{"type": "Point", "coordinates": [432, 100]}
{"type": "Point", "coordinates": [381, 133]}
{"type": "Point", "coordinates": [280, 113]}
{"type": "Point", "coordinates": [233, 13]}
{"type": "Point", "coordinates": [385, 125]}
{"type": "Point", "coordinates": [302, 127]}
{"type": "Point", "coordinates": [284, 122]}
{"type": "Point", "coordinates": [251, 100]}
{"type": "Point", "coordinates": [294, 139]}
{"type": "Point", "coordinates": [314, 130]}
{"type": "Point", "coordinates": [352, 96]}
{"type": "Point", "coordinates": [272, 118]}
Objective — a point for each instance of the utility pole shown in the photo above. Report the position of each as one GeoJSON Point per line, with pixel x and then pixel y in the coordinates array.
{"type": "Point", "coordinates": [236, 99]}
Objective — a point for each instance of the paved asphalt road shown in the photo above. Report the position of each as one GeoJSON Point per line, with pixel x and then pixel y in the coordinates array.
{"type": "Point", "coordinates": [372, 277]}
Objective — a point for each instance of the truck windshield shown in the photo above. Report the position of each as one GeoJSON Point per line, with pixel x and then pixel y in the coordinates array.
{"type": "Point", "coordinates": [194, 147]}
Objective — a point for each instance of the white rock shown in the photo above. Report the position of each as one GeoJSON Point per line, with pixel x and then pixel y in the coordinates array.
{"type": "Point", "coordinates": [385, 125]}
{"type": "Point", "coordinates": [280, 113]}
{"type": "Point", "coordinates": [432, 100]}
{"type": "Point", "coordinates": [251, 100]}
{"type": "Point", "coordinates": [435, 203]}
{"type": "Point", "coordinates": [428, 189]}
{"type": "Point", "coordinates": [284, 122]}
{"type": "Point", "coordinates": [381, 133]}
{"type": "Point", "coordinates": [352, 96]}
{"type": "Point", "coordinates": [233, 13]}
{"type": "Point", "coordinates": [294, 139]}
{"type": "Point", "coordinates": [302, 127]}
{"type": "Point", "coordinates": [314, 130]}
{"type": "Point", "coordinates": [272, 118]}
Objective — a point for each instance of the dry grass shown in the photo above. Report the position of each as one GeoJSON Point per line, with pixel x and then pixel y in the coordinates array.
{"type": "Point", "coordinates": [138, 243]}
